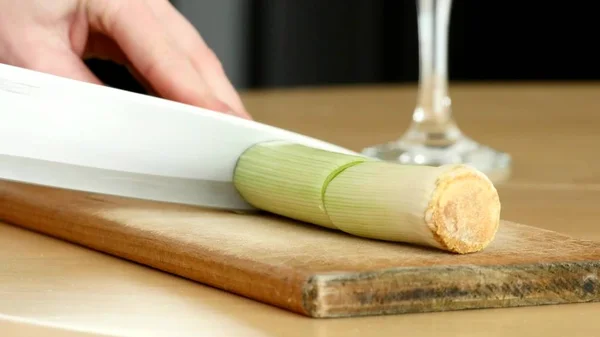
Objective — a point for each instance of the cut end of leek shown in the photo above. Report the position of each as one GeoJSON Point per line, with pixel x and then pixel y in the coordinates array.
{"type": "Point", "coordinates": [464, 211]}
{"type": "Point", "coordinates": [454, 207]}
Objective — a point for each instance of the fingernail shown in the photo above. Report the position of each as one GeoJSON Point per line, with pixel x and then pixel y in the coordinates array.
{"type": "Point", "coordinates": [220, 106]}
{"type": "Point", "coordinates": [241, 114]}
{"type": "Point", "coordinates": [235, 113]}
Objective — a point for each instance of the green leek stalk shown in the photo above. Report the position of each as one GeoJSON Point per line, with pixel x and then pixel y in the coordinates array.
{"type": "Point", "coordinates": [453, 207]}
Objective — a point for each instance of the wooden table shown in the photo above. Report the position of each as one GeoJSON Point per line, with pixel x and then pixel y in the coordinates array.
{"type": "Point", "coordinates": [53, 288]}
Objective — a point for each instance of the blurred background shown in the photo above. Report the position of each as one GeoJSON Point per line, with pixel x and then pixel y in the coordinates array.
{"type": "Point", "coordinates": [287, 43]}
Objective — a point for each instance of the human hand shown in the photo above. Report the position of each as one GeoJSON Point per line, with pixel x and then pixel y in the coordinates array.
{"type": "Point", "coordinates": [159, 46]}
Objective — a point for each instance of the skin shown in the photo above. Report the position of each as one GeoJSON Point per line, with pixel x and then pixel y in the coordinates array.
{"type": "Point", "coordinates": [158, 45]}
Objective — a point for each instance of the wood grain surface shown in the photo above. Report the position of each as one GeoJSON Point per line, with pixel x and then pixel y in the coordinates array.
{"type": "Point", "coordinates": [309, 270]}
{"type": "Point", "coordinates": [54, 288]}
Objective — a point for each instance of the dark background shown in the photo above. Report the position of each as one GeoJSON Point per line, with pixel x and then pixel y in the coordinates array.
{"type": "Point", "coordinates": [317, 42]}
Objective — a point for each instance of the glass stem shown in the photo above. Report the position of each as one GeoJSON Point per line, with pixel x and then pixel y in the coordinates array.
{"type": "Point", "coordinates": [432, 118]}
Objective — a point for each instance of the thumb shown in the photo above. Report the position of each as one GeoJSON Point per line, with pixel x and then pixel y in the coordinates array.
{"type": "Point", "coordinates": [62, 63]}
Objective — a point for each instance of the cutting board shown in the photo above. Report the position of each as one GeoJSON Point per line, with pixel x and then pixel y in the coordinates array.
{"type": "Point", "coordinates": [307, 269]}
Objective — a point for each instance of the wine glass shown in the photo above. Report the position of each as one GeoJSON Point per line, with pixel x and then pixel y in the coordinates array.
{"type": "Point", "coordinates": [433, 138]}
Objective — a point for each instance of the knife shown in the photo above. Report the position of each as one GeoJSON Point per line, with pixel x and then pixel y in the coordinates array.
{"type": "Point", "coordinates": [74, 135]}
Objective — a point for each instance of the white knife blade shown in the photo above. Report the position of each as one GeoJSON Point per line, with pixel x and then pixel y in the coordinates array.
{"type": "Point", "coordinates": [69, 134]}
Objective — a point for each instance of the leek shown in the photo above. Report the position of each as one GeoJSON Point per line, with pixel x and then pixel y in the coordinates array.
{"type": "Point", "coordinates": [453, 207]}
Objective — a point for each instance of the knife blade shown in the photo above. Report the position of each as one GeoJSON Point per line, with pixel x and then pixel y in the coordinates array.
{"type": "Point", "coordinates": [74, 135]}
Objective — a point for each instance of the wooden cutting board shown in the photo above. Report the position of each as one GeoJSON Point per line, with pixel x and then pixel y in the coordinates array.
{"type": "Point", "coordinates": [308, 269]}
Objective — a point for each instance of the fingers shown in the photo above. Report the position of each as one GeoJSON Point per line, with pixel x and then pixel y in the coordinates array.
{"type": "Point", "coordinates": [153, 51]}
{"type": "Point", "coordinates": [102, 47]}
{"type": "Point", "coordinates": [204, 60]}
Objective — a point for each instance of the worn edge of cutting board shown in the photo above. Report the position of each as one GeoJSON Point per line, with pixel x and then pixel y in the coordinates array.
{"type": "Point", "coordinates": [59, 213]}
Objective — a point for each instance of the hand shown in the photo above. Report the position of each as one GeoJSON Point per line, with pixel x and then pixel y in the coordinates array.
{"type": "Point", "coordinates": [159, 46]}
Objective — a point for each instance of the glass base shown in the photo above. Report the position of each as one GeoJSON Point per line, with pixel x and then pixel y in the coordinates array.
{"type": "Point", "coordinates": [495, 164]}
